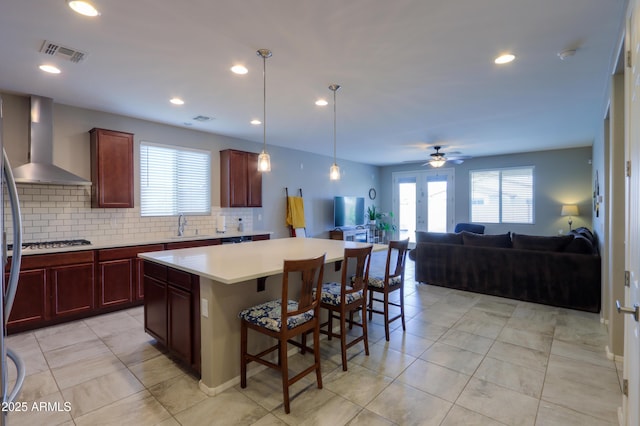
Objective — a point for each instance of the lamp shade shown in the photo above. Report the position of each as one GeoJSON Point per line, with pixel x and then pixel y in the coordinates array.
{"type": "Point", "coordinates": [569, 210]}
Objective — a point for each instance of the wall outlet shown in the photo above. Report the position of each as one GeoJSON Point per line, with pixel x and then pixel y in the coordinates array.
{"type": "Point", "coordinates": [204, 308]}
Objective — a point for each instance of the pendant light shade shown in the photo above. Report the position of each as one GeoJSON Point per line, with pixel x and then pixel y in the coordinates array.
{"type": "Point", "coordinates": [334, 171]}
{"type": "Point", "coordinates": [264, 160]}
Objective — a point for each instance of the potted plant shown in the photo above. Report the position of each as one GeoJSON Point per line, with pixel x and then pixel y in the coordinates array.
{"type": "Point", "coordinates": [385, 225]}
{"type": "Point", "coordinates": [373, 214]}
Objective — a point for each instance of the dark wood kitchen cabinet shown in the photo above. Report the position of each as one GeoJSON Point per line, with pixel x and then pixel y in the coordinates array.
{"type": "Point", "coordinates": [240, 180]}
{"type": "Point", "coordinates": [172, 311]}
{"type": "Point", "coordinates": [111, 168]}
{"type": "Point", "coordinates": [120, 280]}
{"type": "Point", "coordinates": [30, 304]}
{"type": "Point", "coordinates": [193, 243]}
{"type": "Point", "coordinates": [155, 301]}
{"type": "Point", "coordinates": [53, 288]}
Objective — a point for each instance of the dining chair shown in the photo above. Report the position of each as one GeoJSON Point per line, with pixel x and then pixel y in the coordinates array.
{"type": "Point", "coordinates": [284, 321]}
{"type": "Point", "coordinates": [381, 287]}
{"type": "Point", "coordinates": [348, 297]}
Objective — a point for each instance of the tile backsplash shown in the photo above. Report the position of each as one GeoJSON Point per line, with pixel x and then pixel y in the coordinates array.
{"type": "Point", "coordinates": [60, 212]}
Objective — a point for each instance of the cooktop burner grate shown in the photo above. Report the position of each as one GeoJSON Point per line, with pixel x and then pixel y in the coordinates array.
{"type": "Point", "coordinates": [51, 244]}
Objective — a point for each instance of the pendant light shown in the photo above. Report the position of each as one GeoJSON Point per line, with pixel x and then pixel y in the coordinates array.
{"type": "Point", "coordinates": [334, 171]}
{"type": "Point", "coordinates": [264, 160]}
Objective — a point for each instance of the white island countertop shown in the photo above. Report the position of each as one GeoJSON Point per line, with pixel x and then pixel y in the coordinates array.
{"type": "Point", "coordinates": [234, 263]}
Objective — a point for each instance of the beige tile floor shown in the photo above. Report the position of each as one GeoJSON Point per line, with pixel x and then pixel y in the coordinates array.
{"type": "Point", "coordinates": [465, 359]}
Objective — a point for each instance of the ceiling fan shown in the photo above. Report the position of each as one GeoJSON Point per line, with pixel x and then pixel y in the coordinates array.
{"type": "Point", "coordinates": [438, 158]}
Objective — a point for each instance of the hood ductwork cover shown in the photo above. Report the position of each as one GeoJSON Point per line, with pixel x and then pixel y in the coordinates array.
{"type": "Point", "coordinates": [40, 168]}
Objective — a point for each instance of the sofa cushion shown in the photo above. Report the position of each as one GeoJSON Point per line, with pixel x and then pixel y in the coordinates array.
{"type": "Point", "coordinates": [580, 244]}
{"type": "Point", "coordinates": [484, 240]}
{"type": "Point", "coordinates": [438, 237]}
{"type": "Point", "coordinates": [536, 242]}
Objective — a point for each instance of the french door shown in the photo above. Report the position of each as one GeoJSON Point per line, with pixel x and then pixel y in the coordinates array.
{"type": "Point", "coordinates": [423, 201]}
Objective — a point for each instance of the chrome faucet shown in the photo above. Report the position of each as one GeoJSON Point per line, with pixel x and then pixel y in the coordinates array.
{"type": "Point", "coordinates": [182, 221]}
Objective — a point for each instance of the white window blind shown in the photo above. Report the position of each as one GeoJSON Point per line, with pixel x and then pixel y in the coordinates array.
{"type": "Point", "coordinates": [502, 195]}
{"type": "Point", "coordinates": [174, 180]}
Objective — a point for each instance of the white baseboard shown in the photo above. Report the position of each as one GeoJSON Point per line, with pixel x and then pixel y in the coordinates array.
{"type": "Point", "coordinates": [620, 416]}
{"type": "Point", "coordinates": [612, 356]}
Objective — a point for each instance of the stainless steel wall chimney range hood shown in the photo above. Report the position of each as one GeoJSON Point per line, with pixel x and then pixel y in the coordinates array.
{"type": "Point", "coordinates": [40, 168]}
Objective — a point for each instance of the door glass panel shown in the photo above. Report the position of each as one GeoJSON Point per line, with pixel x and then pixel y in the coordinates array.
{"type": "Point", "coordinates": [407, 209]}
{"type": "Point", "coordinates": [437, 206]}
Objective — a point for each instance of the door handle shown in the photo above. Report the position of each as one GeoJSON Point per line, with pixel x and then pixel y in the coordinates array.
{"type": "Point", "coordinates": [623, 309]}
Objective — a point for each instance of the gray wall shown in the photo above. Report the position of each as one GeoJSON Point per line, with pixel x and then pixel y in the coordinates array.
{"type": "Point", "coordinates": [290, 168]}
{"type": "Point", "coordinates": [561, 177]}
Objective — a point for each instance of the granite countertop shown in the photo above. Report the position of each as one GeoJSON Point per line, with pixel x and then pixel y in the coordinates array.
{"type": "Point", "coordinates": [106, 242]}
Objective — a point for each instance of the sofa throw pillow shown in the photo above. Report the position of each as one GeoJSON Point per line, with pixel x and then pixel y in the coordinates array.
{"type": "Point", "coordinates": [580, 245]}
{"type": "Point", "coordinates": [485, 240]}
{"type": "Point", "coordinates": [541, 243]}
{"type": "Point", "coordinates": [438, 237]}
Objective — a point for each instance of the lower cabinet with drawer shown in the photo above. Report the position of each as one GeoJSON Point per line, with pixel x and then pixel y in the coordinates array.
{"type": "Point", "coordinates": [172, 311]}
{"type": "Point", "coordinates": [120, 279]}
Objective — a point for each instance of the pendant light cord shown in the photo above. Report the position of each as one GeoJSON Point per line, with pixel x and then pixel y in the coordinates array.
{"type": "Point", "coordinates": [264, 102]}
{"type": "Point", "coordinates": [334, 126]}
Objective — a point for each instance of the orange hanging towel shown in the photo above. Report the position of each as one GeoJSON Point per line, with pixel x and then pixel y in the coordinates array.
{"type": "Point", "coordinates": [295, 212]}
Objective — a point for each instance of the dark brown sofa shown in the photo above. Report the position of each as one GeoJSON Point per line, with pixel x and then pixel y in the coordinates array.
{"type": "Point", "coordinates": [559, 271]}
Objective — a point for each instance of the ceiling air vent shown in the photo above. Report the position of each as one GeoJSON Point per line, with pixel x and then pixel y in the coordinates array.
{"type": "Point", "coordinates": [202, 118]}
{"type": "Point", "coordinates": [68, 53]}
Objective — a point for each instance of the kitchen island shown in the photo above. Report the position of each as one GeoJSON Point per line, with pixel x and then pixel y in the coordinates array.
{"type": "Point", "coordinates": [230, 279]}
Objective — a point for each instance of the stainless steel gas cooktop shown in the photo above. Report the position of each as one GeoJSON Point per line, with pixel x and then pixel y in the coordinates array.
{"type": "Point", "coordinates": [51, 244]}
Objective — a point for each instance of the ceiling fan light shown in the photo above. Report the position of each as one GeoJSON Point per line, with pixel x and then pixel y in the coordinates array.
{"type": "Point", "coordinates": [437, 163]}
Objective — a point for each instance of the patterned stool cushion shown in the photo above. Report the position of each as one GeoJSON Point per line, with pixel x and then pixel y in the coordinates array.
{"type": "Point", "coordinates": [268, 315]}
{"type": "Point", "coordinates": [379, 281]}
{"type": "Point", "coordinates": [331, 294]}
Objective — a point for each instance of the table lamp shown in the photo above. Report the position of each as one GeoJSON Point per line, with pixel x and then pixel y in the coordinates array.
{"type": "Point", "coordinates": [569, 210]}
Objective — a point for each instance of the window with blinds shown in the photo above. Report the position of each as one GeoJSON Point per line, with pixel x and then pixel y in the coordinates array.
{"type": "Point", "coordinates": [174, 180]}
{"type": "Point", "coordinates": [502, 195]}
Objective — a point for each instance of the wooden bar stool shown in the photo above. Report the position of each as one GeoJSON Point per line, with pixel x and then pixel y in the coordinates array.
{"type": "Point", "coordinates": [347, 297]}
{"type": "Point", "coordinates": [392, 281]}
{"type": "Point", "coordinates": [300, 316]}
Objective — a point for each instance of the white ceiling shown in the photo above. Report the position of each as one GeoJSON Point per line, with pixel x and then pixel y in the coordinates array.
{"type": "Point", "coordinates": [414, 73]}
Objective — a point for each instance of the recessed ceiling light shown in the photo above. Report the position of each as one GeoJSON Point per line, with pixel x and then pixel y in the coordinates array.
{"type": "Point", "coordinates": [239, 69]}
{"type": "Point", "coordinates": [50, 69]}
{"type": "Point", "coordinates": [504, 59]}
{"type": "Point", "coordinates": [255, 122]}
{"type": "Point", "coordinates": [322, 102]}
{"type": "Point", "coordinates": [176, 101]}
{"type": "Point", "coordinates": [83, 7]}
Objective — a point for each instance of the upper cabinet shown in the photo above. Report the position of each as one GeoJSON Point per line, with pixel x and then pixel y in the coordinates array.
{"type": "Point", "coordinates": [240, 180]}
{"type": "Point", "coordinates": [111, 168]}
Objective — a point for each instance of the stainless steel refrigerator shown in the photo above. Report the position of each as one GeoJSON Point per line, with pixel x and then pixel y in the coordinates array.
{"type": "Point", "coordinates": [8, 192]}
